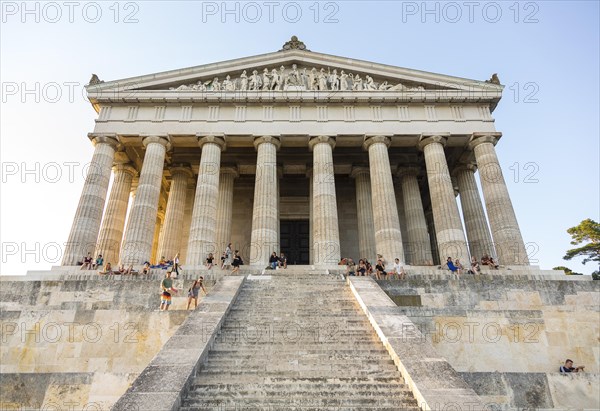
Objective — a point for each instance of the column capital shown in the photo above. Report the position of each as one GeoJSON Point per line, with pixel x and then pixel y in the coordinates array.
{"type": "Point", "coordinates": [182, 168]}
{"type": "Point", "coordinates": [314, 140]}
{"type": "Point", "coordinates": [487, 137]}
{"type": "Point", "coordinates": [232, 170]}
{"type": "Point", "coordinates": [426, 139]}
{"type": "Point", "coordinates": [359, 170]}
{"type": "Point", "coordinates": [275, 140]}
{"type": "Point", "coordinates": [161, 139]}
{"type": "Point", "coordinates": [104, 138]}
{"type": "Point", "coordinates": [219, 140]}
{"type": "Point", "coordinates": [470, 166]}
{"type": "Point", "coordinates": [125, 168]}
{"type": "Point", "coordinates": [369, 140]}
{"type": "Point", "coordinates": [408, 171]}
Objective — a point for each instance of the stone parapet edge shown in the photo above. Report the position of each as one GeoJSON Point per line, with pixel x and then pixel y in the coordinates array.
{"type": "Point", "coordinates": [433, 381]}
{"type": "Point", "coordinates": [164, 383]}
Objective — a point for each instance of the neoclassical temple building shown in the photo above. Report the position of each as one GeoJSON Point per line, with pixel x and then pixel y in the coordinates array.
{"type": "Point", "coordinates": [315, 155]}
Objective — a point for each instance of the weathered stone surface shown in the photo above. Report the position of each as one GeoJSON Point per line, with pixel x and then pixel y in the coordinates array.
{"type": "Point", "coordinates": [432, 379]}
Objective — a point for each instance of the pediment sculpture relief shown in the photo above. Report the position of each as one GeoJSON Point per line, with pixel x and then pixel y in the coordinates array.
{"type": "Point", "coordinates": [298, 79]}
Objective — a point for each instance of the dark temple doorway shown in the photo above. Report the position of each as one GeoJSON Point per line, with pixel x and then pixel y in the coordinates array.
{"type": "Point", "coordinates": [295, 239]}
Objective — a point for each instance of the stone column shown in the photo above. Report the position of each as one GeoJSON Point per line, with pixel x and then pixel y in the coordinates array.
{"type": "Point", "coordinates": [225, 208]}
{"type": "Point", "coordinates": [508, 240]}
{"type": "Point", "coordinates": [326, 232]}
{"type": "Point", "coordinates": [187, 219]}
{"type": "Point", "coordinates": [265, 212]}
{"type": "Point", "coordinates": [139, 235]}
{"type": "Point", "coordinates": [449, 232]}
{"type": "Point", "coordinates": [416, 224]}
{"type": "Point", "coordinates": [113, 224]}
{"type": "Point", "coordinates": [478, 233]}
{"type": "Point", "coordinates": [170, 242]}
{"type": "Point", "coordinates": [311, 249]}
{"type": "Point", "coordinates": [364, 212]}
{"type": "Point", "coordinates": [204, 217]}
{"type": "Point", "coordinates": [86, 224]}
{"type": "Point", "coordinates": [388, 238]}
{"type": "Point", "coordinates": [154, 256]}
{"type": "Point", "coordinates": [432, 238]}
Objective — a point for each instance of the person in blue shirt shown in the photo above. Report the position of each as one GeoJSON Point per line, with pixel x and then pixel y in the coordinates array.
{"type": "Point", "coordinates": [451, 265]}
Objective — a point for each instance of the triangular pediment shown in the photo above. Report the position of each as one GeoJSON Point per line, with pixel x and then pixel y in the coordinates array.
{"type": "Point", "coordinates": [300, 71]}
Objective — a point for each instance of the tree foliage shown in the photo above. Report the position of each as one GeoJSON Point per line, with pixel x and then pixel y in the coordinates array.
{"type": "Point", "coordinates": [567, 270]}
{"type": "Point", "coordinates": [588, 234]}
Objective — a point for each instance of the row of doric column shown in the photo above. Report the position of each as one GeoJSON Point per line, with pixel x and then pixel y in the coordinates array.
{"type": "Point", "coordinates": [378, 218]}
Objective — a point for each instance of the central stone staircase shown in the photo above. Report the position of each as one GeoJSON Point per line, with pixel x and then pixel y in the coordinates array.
{"type": "Point", "coordinates": [296, 340]}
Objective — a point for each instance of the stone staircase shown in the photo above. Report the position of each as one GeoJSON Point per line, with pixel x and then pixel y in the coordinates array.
{"type": "Point", "coordinates": [295, 341]}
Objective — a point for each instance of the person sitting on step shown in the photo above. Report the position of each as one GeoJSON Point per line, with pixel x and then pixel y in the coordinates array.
{"type": "Point", "coordinates": [399, 269]}
{"type": "Point", "coordinates": [273, 260]}
{"type": "Point", "coordinates": [568, 367]}
{"type": "Point", "coordinates": [237, 261]}
{"type": "Point", "coordinates": [87, 262]}
{"type": "Point", "coordinates": [380, 269]}
{"type": "Point", "coordinates": [282, 260]}
{"type": "Point", "coordinates": [489, 261]}
{"type": "Point", "coordinates": [451, 265]}
{"type": "Point", "coordinates": [362, 268]}
{"type": "Point", "coordinates": [459, 266]}
{"type": "Point", "coordinates": [475, 268]}
{"type": "Point", "coordinates": [350, 268]}
{"type": "Point", "coordinates": [107, 270]}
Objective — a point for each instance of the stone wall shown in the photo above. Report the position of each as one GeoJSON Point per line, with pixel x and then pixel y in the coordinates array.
{"type": "Point", "coordinates": [80, 341]}
{"type": "Point", "coordinates": [507, 332]}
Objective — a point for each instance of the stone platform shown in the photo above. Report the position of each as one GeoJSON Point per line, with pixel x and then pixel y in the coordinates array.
{"type": "Point", "coordinates": [75, 337]}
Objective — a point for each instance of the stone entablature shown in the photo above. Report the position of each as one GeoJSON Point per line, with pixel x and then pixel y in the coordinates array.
{"type": "Point", "coordinates": [297, 81]}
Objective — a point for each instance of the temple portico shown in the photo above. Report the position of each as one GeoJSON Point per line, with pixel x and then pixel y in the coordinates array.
{"type": "Point", "coordinates": [319, 165]}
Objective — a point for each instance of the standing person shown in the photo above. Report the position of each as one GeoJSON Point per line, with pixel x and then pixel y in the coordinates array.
{"type": "Point", "coordinates": [176, 265]}
{"type": "Point", "coordinates": [228, 257]}
{"type": "Point", "coordinates": [237, 261]}
{"type": "Point", "coordinates": [167, 289]}
{"type": "Point", "coordinates": [223, 258]}
{"type": "Point", "coordinates": [194, 291]}
{"type": "Point", "coordinates": [209, 261]}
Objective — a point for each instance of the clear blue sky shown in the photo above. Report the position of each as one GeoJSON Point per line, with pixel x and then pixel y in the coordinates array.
{"type": "Point", "coordinates": [546, 53]}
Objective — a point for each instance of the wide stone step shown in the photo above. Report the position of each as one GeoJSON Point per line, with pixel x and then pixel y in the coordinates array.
{"type": "Point", "coordinates": [349, 351]}
{"type": "Point", "coordinates": [297, 342]}
{"type": "Point", "coordinates": [365, 388]}
{"type": "Point", "coordinates": [286, 403]}
{"type": "Point", "coordinates": [298, 366]}
{"type": "Point", "coordinates": [267, 406]}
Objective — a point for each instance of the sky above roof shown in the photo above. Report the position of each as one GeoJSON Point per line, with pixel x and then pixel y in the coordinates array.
{"type": "Point", "coordinates": [545, 53]}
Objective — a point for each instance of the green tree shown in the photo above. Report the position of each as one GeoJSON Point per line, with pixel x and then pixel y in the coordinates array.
{"type": "Point", "coordinates": [567, 270]}
{"type": "Point", "coordinates": [588, 232]}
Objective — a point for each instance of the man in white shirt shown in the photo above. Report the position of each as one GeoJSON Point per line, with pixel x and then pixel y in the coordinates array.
{"type": "Point", "coordinates": [398, 269]}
